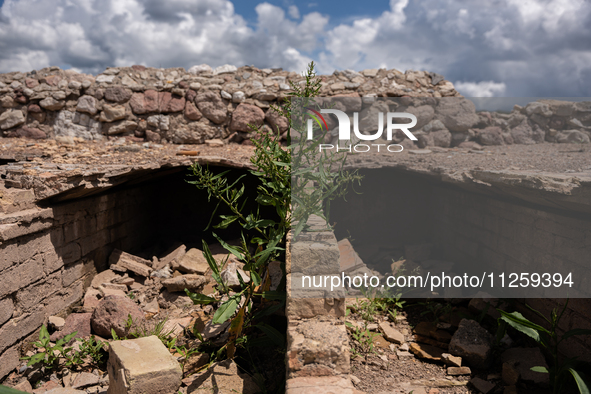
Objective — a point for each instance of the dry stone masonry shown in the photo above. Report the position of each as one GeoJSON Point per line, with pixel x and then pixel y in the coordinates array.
{"type": "Point", "coordinates": [191, 107]}
{"type": "Point", "coordinates": [176, 105]}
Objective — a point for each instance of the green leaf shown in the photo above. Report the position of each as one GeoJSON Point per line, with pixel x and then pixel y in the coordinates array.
{"type": "Point", "coordinates": [8, 390]}
{"type": "Point", "coordinates": [234, 183]}
{"type": "Point", "coordinates": [264, 223]}
{"type": "Point", "coordinates": [262, 257]}
{"type": "Point", "coordinates": [226, 222]}
{"type": "Point", "coordinates": [583, 389]}
{"type": "Point", "coordinates": [226, 310]}
{"type": "Point", "coordinates": [520, 323]}
{"type": "Point", "coordinates": [264, 200]}
{"type": "Point", "coordinates": [221, 174]}
{"type": "Point", "coordinates": [212, 215]}
{"type": "Point", "coordinates": [274, 295]}
{"type": "Point", "coordinates": [36, 358]}
{"type": "Point", "coordinates": [69, 337]}
{"type": "Point", "coordinates": [256, 278]}
{"type": "Point", "coordinates": [235, 251]}
{"type": "Point", "coordinates": [200, 299]}
{"type": "Point", "coordinates": [539, 369]}
{"type": "Point", "coordinates": [275, 336]}
{"type": "Point", "coordinates": [212, 264]}
{"type": "Point", "coordinates": [44, 335]}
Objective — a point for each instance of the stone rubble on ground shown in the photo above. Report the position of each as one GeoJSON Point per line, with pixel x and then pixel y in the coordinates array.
{"type": "Point", "coordinates": [462, 346]}
{"type": "Point", "coordinates": [144, 365]}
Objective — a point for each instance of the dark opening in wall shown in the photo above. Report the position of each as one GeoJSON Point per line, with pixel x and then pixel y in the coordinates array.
{"type": "Point", "coordinates": [49, 255]}
{"type": "Point", "coordinates": [150, 214]}
{"type": "Point", "coordinates": [477, 228]}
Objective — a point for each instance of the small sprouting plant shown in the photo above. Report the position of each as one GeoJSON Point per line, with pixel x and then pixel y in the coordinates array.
{"type": "Point", "coordinates": [437, 310]}
{"type": "Point", "coordinates": [559, 371]}
{"type": "Point", "coordinates": [135, 330]}
{"type": "Point", "coordinates": [51, 353]}
{"type": "Point", "coordinates": [363, 345]}
{"type": "Point", "coordinates": [367, 309]}
{"type": "Point", "coordinates": [393, 314]}
{"type": "Point", "coordinates": [185, 353]}
{"type": "Point", "coordinates": [93, 348]}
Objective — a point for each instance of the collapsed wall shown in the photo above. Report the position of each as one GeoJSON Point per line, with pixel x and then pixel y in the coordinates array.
{"type": "Point", "coordinates": [475, 221]}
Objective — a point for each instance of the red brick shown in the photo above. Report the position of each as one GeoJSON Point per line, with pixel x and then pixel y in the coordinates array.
{"type": "Point", "coordinates": [33, 294]}
{"type": "Point", "coordinates": [21, 275]}
{"type": "Point", "coordinates": [9, 360]}
{"type": "Point", "coordinates": [20, 327]}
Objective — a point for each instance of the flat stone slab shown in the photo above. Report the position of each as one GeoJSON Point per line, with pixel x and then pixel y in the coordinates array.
{"type": "Point", "coordinates": [320, 385]}
{"type": "Point", "coordinates": [142, 366]}
{"type": "Point", "coordinates": [193, 262]}
{"type": "Point", "coordinates": [391, 334]}
{"type": "Point", "coordinates": [349, 259]}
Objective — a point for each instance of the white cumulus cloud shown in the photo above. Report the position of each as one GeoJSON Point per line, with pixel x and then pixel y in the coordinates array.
{"type": "Point", "coordinates": [93, 34]}
{"type": "Point", "coordinates": [526, 47]}
{"type": "Point", "coordinates": [294, 12]}
{"type": "Point", "coordinates": [481, 89]}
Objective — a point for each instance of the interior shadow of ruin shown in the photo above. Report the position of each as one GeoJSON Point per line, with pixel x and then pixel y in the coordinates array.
{"type": "Point", "coordinates": [418, 220]}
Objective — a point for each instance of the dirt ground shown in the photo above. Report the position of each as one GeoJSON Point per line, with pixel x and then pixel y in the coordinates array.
{"type": "Point", "coordinates": [547, 157]}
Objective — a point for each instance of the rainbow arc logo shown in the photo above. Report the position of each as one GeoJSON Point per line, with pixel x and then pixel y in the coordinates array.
{"type": "Point", "coordinates": [316, 115]}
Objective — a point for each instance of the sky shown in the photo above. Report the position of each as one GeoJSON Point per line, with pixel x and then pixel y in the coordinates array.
{"type": "Point", "coordinates": [494, 48]}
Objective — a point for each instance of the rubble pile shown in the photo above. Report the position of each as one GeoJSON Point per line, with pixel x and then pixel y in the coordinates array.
{"type": "Point", "coordinates": [448, 349]}
{"type": "Point", "coordinates": [136, 295]}
{"type": "Point", "coordinates": [452, 354]}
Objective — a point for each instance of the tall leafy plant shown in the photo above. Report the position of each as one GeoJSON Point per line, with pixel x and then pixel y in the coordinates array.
{"type": "Point", "coordinates": [559, 371]}
{"type": "Point", "coordinates": [294, 181]}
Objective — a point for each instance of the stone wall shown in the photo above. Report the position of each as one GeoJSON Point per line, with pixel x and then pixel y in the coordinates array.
{"type": "Point", "coordinates": [50, 251]}
{"type": "Point", "coordinates": [48, 257]}
{"type": "Point", "coordinates": [513, 236]}
{"type": "Point", "coordinates": [317, 354]}
{"type": "Point", "coordinates": [537, 122]}
{"type": "Point", "coordinates": [190, 107]}
{"type": "Point", "coordinates": [175, 105]}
